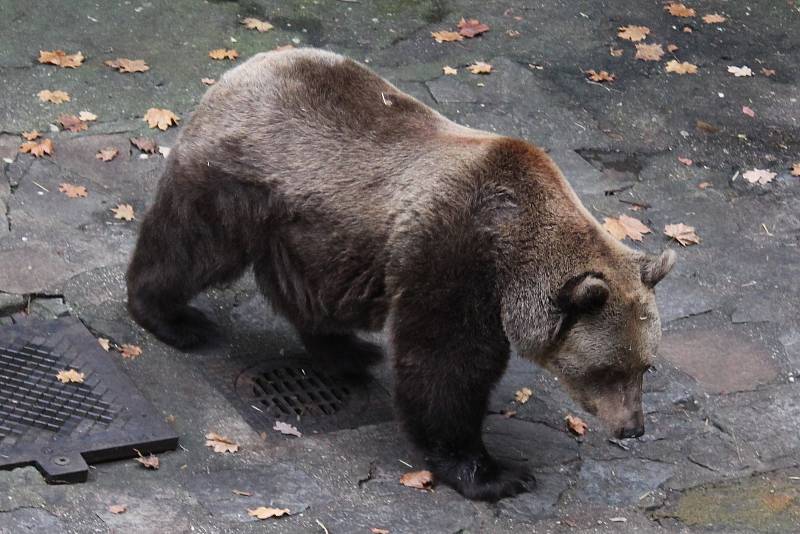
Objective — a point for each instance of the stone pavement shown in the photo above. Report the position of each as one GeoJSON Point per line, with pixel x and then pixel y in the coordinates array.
{"type": "Point", "coordinates": [723, 407]}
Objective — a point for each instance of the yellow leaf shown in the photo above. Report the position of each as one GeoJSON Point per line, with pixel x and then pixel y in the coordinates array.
{"type": "Point", "coordinates": [124, 212]}
{"type": "Point", "coordinates": [223, 53]}
{"type": "Point", "coordinates": [649, 52]}
{"type": "Point", "coordinates": [87, 116]}
{"type": "Point", "coordinates": [264, 512]}
{"type": "Point", "coordinates": [576, 425]}
{"type": "Point", "coordinates": [680, 67]}
{"type": "Point", "coordinates": [107, 154]}
{"type": "Point", "coordinates": [616, 52]}
{"type": "Point", "coordinates": [61, 58]}
{"type": "Point", "coordinates": [679, 10]}
{"type": "Point", "coordinates": [130, 352]}
{"type": "Point", "coordinates": [105, 343]}
{"type": "Point", "coordinates": [625, 226]}
{"type": "Point", "coordinates": [449, 71]}
{"type": "Point", "coordinates": [740, 72]}
{"type": "Point", "coordinates": [70, 376]}
{"type": "Point", "coordinates": [73, 191]}
{"type": "Point", "coordinates": [254, 24]}
{"type": "Point", "coordinates": [160, 118]}
{"type": "Point", "coordinates": [479, 67]}
{"type": "Point", "coordinates": [55, 97]}
{"type": "Point", "coordinates": [714, 18]}
{"type": "Point", "coordinates": [221, 443]}
{"type": "Point", "coordinates": [127, 65]}
{"type": "Point", "coordinates": [633, 33]}
{"type": "Point", "coordinates": [117, 508]}
{"type": "Point", "coordinates": [759, 176]}
{"type": "Point", "coordinates": [30, 136]}
{"type": "Point", "coordinates": [149, 462]}
{"type": "Point", "coordinates": [446, 36]}
{"type": "Point", "coordinates": [208, 81]}
{"type": "Point", "coordinates": [600, 77]}
{"type": "Point", "coordinates": [417, 479]}
{"type": "Point", "coordinates": [523, 395]}
{"type": "Point", "coordinates": [37, 150]}
{"type": "Point", "coordinates": [683, 234]}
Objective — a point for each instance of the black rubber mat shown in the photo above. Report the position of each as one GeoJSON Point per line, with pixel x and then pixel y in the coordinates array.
{"type": "Point", "coordinates": [60, 427]}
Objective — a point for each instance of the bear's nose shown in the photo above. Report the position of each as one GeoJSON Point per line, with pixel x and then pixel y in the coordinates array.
{"type": "Point", "coordinates": [633, 431]}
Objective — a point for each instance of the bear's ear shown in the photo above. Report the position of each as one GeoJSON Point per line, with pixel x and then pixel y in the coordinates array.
{"type": "Point", "coordinates": [654, 269]}
{"type": "Point", "coordinates": [584, 293]}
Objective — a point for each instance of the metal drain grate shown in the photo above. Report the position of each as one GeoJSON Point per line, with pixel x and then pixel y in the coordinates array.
{"type": "Point", "coordinates": [59, 427]}
{"type": "Point", "coordinates": [298, 392]}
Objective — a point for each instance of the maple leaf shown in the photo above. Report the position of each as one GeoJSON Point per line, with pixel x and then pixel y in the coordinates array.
{"type": "Point", "coordinates": [796, 169]}
{"type": "Point", "coordinates": [683, 234]}
{"type": "Point", "coordinates": [221, 443]}
{"type": "Point", "coordinates": [449, 71]}
{"type": "Point", "coordinates": [37, 150]}
{"type": "Point", "coordinates": [616, 52]}
{"type": "Point", "coordinates": [70, 376]}
{"type": "Point", "coordinates": [254, 24]}
{"type": "Point", "coordinates": [759, 176]}
{"type": "Point", "coordinates": [107, 154]}
{"type": "Point", "coordinates": [633, 33]}
{"type": "Point", "coordinates": [672, 48]}
{"type": "Point", "coordinates": [149, 462]}
{"type": "Point", "coordinates": [714, 18]}
{"type": "Point", "coordinates": [208, 81]}
{"type": "Point", "coordinates": [123, 64]}
{"type": "Point", "coordinates": [739, 72]}
{"type": "Point", "coordinates": [625, 226]}
{"type": "Point", "coordinates": [160, 118]}
{"type": "Point", "coordinates": [223, 53]}
{"type": "Point", "coordinates": [61, 58]}
{"type": "Point", "coordinates": [145, 144]}
{"type": "Point", "coordinates": [54, 97]}
{"type": "Point", "coordinates": [105, 343]}
{"type": "Point", "coordinates": [748, 111]}
{"type": "Point", "coordinates": [600, 77]}
{"type": "Point", "coordinates": [679, 10]}
{"type": "Point", "coordinates": [117, 508]}
{"type": "Point", "coordinates": [32, 135]}
{"type": "Point", "coordinates": [679, 67]}
{"type": "Point", "coordinates": [125, 212]}
{"type": "Point", "coordinates": [417, 479]}
{"type": "Point", "coordinates": [73, 191]}
{"type": "Point", "coordinates": [264, 512]}
{"type": "Point", "coordinates": [649, 52]}
{"type": "Point", "coordinates": [767, 72]}
{"type": "Point", "coordinates": [128, 351]}
{"type": "Point", "coordinates": [72, 123]}
{"type": "Point", "coordinates": [471, 27]}
{"type": "Point", "coordinates": [480, 67]}
{"type": "Point", "coordinates": [685, 161]}
{"type": "Point", "coordinates": [286, 429]}
{"type": "Point", "coordinates": [576, 425]}
{"type": "Point", "coordinates": [446, 36]}
{"type": "Point", "coordinates": [87, 116]}
{"type": "Point", "coordinates": [523, 395]}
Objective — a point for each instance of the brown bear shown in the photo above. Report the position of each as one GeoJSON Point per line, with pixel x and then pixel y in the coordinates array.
{"type": "Point", "coordinates": [360, 208]}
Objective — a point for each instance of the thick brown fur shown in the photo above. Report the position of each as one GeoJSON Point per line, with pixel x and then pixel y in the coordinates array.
{"type": "Point", "coordinates": [360, 208]}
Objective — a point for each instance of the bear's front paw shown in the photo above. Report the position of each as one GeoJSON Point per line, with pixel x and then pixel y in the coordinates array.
{"type": "Point", "coordinates": [483, 479]}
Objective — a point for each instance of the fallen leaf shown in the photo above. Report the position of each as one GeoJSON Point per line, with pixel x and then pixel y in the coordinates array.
{"type": "Point", "coordinates": [625, 226]}
{"type": "Point", "coordinates": [87, 116]}
{"type": "Point", "coordinates": [287, 429]}
{"type": "Point", "coordinates": [160, 118]}
{"type": "Point", "coordinates": [683, 234]}
{"type": "Point", "coordinates": [480, 67]}
{"type": "Point", "coordinates": [254, 24]}
{"type": "Point", "coordinates": [512, 33]}
{"type": "Point", "coordinates": [61, 58]}
{"type": "Point", "coordinates": [633, 33]}
{"type": "Point", "coordinates": [123, 64]}
{"type": "Point", "coordinates": [105, 343]}
{"type": "Point", "coordinates": [446, 36]}
{"type": "Point", "coordinates": [672, 48]}
{"type": "Point", "coordinates": [796, 169]}
{"type": "Point", "coordinates": [748, 111]}
{"type": "Point", "coordinates": [145, 144]}
{"type": "Point", "coordinates": [124, 212]}
{"type": "Point", "coordinates": [208, 81]}
{"type": "Point", "coordinates": [649, 52]}
{"type": "Point", "coordinates": [55, 97]}
{"type": "Point", "coordinates": [30, 136]}
{"type": "Point", "coordinates": [130, 352]}
{"type": "Point", "coordinates": [164, 151]}
{"type": "Point", "coordinates": [576, 425]}
{"type": "Point", "coordinates": [714, 18]}
{"type": "Point", "coordinates": [107, 154]}
{"type": "Point", "coordinates": [263, 512]}
{"type": "Point", "coordinates": [686, 161]}
{"type": "Point", "coordinates": [470, 28]}
{"type": "Point", "coordinates": [759, 176]}
{"type": "Point", "coordinates": [449, 71]}
{"type": "Point", "coordinates": [523, 395]}
{"type": "Point", "coordinates": [242, 493]}
{"type": "Point", "coordinates": [679, 67]}
{"type": "Point", "coordinates": [417, 479]}
{"type": "Point", "coordinates": [73, 191]}
{"type": "Point", "coordinates": [767, 72]}
{"type": "Point", "coordinates": [117, 508]}
{"type": "Point", "coordinates": [70, 376]}
{"type": "Point", "coordinates": [600, 77]}
{"type": "Point", "coordinates": [72, 123]}
{"type": "Point", "coordinates": [170, 418]}
{"type": "Point", "coordinates": [379, 530]}
{"type": "Point", "coordinates": [616, 52]}
{"type": "Point", "coordinates": [687, 29]}
{"type": "Point", "coordinates": [223, 53]}
{"type": "Point", "coordinates": [221, 443]}
{"type": "Point", "coordinates": [739, 72]}
{"type": "Point", "coordinates": [37, 150]}
{"type": "Point", "coordinates": [705, 185]}
{"type": "Point", "coordinates": [706, 127]}
{"type": "Point", "coordinates": [679, 10]}
{"type": "Point", "coordinates": [149, 462]}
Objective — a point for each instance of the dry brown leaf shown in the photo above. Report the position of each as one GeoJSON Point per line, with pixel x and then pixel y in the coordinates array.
{"type": "Point", "coordinates": [105, 343]}
{"type": "Point", "coordinates": [61, 58]}
{"type": "Point", "coordinates": [739, 72]}
{"type": "Point", "coordinates": [160, 118]}
{"type": "Point", "coordinates": [767, 72]}
{"type": "Point", "coordinates": [576, 425]}
{"type": "Point", "coordinates": [616, 52]}
{"type": "Point", "coordinates": [449, 71]}
{"type": "Point", "coordinates": [706, 127]}
{"type": "Point", "coordinates": [445, 36]}
{"type": "Point", "coordinates": [70, 376]}
{"type": "Point", "coordinates": [223, 53]}
{"type": "Point", "coordinates": [208, 81]}
{"type": "Point", "coordinates": [704, 185]}
{"type": "Point", "coordinates": [149, 462]}
{"type": "Point", "coordinates": [264, 512]}
{"type": "Point", "coordinates": [679, 10]}
{"type": "Point", "coordinates": [633, 33]}
{"type": "Point", "coordinates": [512, 33]}
{"type": "Point", "coordinates": [600, 77]}
{"type": "Point", "coordinates": [221, 443]}
{"type": "Point", "coordinates": [649, 52]}
{"type": "Point", "coordinates": [748, 111]}
{"type": "Point", "coordinates": [523, 395]}
{"type": "Point", "coordinates": [379, 530]}
{"type": "Point", "coordinates": [286, 429]}
{"type": "Point", "coordinates": [759, 176]}
{"type": "Point", "coordinates": [117, 508]}
{"type": "Point", "coordinates": [480, 67]}
{"type": "Point", "coordinates": [470, 28]}
{"type": "Point", "coordinates": [417, 479]}
{"type": "Point", "coordinates": [671, 48]}
{"type": "Point", "coordinates": [37, 150]}
{"type": "Point", "coordinates": [687, 29]}
{"type": "Point", "coordinates": [679, 67]}
{"type": "Point", "coordinates": [242, 493]}
{"type": "Point", "coordinates": [87, 116]}
{"type": "Point", "coordinates": [683, 234]}
{"type": "Point", "coordinates": [54, 97]}
{"type": "Point", "coordinates": [32, 135]}
{"type": "Point", "coordinates": [796, 169]}
{"type": "Point", "coordinates": [125, 212]}
{"type": "Point", "coordinates": [123, 64]}
{"type": "Point", "coordinates": [145, 144]}
{"type": "Point", "coordinates": [714, 18]}
{"type": "Point", "coordinates": [72, 123]}
{"type": "Point", "coordinates": [254, 24]}
{"type": "Point", "coordinates": [130, 352]}
{"type": "Point", "coordinates": [685, 161]}
{"type": "Point", "coordinates": [73, 191]}
{"type": "Point", "coordinates": [107, 154]}
{"type": "Point", "coordinates": [625, 226]}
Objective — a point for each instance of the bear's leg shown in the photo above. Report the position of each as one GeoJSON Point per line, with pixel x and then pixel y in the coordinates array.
{"type": "Point", "coordinates": [345, 355]}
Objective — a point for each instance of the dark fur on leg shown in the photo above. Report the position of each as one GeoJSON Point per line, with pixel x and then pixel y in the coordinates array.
{"type": "Point", "coordinates": [344, 355]}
